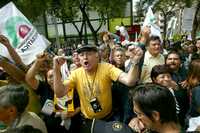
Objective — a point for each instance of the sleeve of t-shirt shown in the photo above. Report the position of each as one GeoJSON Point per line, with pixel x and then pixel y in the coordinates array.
{"type": "Point", "coordinates": [114, 72]}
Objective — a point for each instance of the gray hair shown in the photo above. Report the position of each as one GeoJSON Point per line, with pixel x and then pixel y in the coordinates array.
{"type": "Point", "coordinates": [14, 95]}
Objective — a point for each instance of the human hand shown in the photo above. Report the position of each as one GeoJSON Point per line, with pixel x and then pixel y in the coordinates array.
{"type": "Point", "coordinates": [135, 53]}
{"type": "Point", "coordinates": [42, 57]}
{"type": "Point", "coordinates": [65, 114]}
{"type": "Point", "coordinates": [4, 40]}
{"type": "Point", "coordinates": [136, 125]}
{"type": "Point", "coordinates": [184, 84]}
{"type": "Point", "coordinates": [58, 61]}
{"type": "Point", "coordinates": [146, 32]}
{"type": "Point", "coordinates": [170, 84]}
{"type": "Point", "coordinates": [68, 115]}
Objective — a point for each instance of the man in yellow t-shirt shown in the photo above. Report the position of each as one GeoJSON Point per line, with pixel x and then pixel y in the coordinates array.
{"type": "Point", "coordinates": [96, 85]}
{"type": "Point", "coordinates": [93, 80]}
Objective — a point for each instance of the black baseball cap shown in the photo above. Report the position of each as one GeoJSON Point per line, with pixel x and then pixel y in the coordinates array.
{"type": "Point", "coordinates": [88, 47]}
{"type": "Point", "coordinates": [100, 126]}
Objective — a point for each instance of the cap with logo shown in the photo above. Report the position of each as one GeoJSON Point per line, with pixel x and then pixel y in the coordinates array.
{"type": "Point", "coordinates": [100, 126]}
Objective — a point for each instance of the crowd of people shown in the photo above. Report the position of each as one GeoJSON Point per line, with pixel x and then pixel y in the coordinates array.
{"type": "Point", "coordinates": [139, 87]}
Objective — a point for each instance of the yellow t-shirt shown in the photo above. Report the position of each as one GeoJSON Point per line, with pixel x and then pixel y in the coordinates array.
{"type": "Point", "coordinates": [97, 85]}
{"type": "Point", "coordinates": [60, 103]}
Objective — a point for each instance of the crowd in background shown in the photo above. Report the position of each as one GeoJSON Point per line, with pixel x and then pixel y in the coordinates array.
{"type": "Point", "coordinates": [141, 87]}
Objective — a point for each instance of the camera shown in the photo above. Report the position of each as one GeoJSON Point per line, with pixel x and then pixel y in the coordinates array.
{"type": "Point", "coordinates": [95, 105]}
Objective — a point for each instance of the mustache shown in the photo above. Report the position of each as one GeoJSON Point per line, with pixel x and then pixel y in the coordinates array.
{"type": "Point", "coordinates": [172, 63]}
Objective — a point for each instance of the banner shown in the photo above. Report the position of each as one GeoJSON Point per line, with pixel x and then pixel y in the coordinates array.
{"type": "Point", "coordinates": [21, 34]}
{"type": "Point", "coordinates": [188, 18]}
{"type": "Point", "coordinates": [150, 20]}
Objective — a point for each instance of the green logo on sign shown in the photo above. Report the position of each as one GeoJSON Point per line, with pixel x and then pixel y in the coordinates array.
{"type": "Point", "coordinates": [17, 28]}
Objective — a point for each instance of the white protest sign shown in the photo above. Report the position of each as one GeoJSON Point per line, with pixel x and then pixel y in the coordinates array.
{"type": "Point", "coordinates": [150, 21]}
{"type": "Point", "coordinates": [21, 34]}
{"type": "Point", "coordinates": [188, 17]}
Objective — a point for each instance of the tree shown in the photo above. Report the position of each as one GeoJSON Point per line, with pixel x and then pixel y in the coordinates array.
{"type": "Point", "coordinates": [196, 23]}
{"type": "Point", "coordinates": [167, 10]}
{"type": "Point", "coordinates": [32, 9]}
{"type": "Point", "coordinates": [166, 7]}
{"type": "Point", "coordinates": [68, 10]}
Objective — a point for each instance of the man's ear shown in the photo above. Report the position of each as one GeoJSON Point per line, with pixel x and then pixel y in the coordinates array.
{"type": "Point", "coordinates": [156, 116]}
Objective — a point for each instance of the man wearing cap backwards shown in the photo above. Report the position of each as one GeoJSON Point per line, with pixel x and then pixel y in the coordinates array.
{"type": "Point", "coordinates": [93, 80]}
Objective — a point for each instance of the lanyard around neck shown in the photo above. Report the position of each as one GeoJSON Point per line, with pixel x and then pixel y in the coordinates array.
{"type": "Point", "coordinates": [91, 85]}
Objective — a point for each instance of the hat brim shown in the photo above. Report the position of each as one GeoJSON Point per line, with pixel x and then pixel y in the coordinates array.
{"type": "Point", "coordinates": [84, 49]}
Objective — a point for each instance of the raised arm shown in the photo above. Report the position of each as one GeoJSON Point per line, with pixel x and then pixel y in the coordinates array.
{"type": "Point", "coordinates": [59, 88]}
{"type": "Point", "coordinates": [132, 76]}
{"type": "Point", "coordinates": [10, 68]}
{"type": "Point", "coordinates": [12, 52]}
{"type": "Point", "coordinates": [145, 35]}
{"type": "Point", "coordinates": [34, 69]}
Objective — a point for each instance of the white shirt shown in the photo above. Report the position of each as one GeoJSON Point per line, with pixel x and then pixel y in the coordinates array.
{"type": "Point", "coordinates": [149, 62]}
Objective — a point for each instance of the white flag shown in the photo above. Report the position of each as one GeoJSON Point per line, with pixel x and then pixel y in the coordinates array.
{"type": "Point", "coordinates": [150, 20]}
{"type": "Point", "coordinates": [21, 34]}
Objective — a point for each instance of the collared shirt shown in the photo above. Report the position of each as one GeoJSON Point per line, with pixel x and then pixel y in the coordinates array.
{"type": "Point", "coordinates": [180, 75]}
{"type": "Point", "coordinates": [149, 62]}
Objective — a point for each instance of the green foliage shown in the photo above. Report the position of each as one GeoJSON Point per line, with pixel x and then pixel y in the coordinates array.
{"type": "Point", "coordinates": [4, 2]}
{"type": "Point", "coordinates": [66, 10]}
{"type": "Point", "coordinates": [177, 37]}
{"type": "Point", "coordinates": [30, 8]}
{"type": "Point", "coordinates": [165, 5]}
{"type": "Point", "coordinates": [188, 3]}
{"type": "Point", "coordinates": [33, 8]}
{"type": "Point", "coordinates": [70, 10]}
{"type": "Point", "coordinates": [111, 8]}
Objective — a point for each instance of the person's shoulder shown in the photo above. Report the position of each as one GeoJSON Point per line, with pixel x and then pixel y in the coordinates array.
{"type": "Point", "coordinates": [105, 64]}
{"type": "Point", "coordinates": [147, 55]}
{"type": "Point", "coordinates": [77, 70]}
{"type": "Point", "coordinates": [107, 67]}
{"type": "Point", "coordinates": [31, 114]}
{"type": "Point", "coordinates": [76, 73]}
{"type": "Point", "coordinates": [160, 57]}
{"type": "Point", "coordinates": [31, 117]}
{"type": "Point", "coordinates": [28, 116]}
